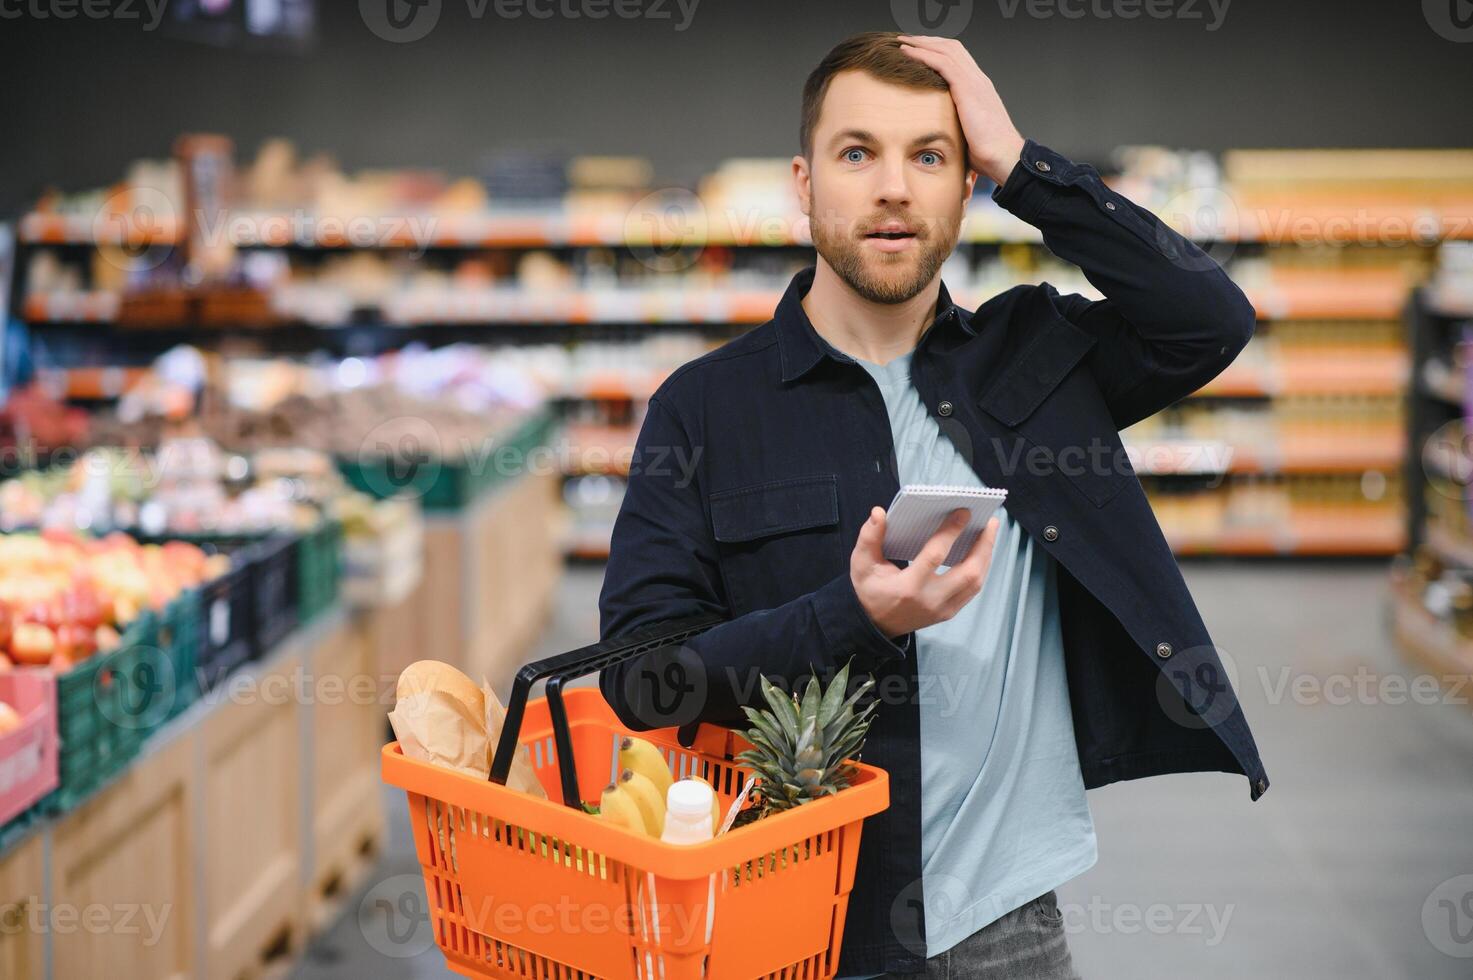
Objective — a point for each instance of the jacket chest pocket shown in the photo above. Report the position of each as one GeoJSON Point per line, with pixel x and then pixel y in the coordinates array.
{"type": "Point", "coordinates": [1053, 403]}
{"type": "Point", "coordinates": [777, 540]}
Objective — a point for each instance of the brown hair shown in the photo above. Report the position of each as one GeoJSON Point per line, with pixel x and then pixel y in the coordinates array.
{"type": "Point", "coordinates": [874, 52]}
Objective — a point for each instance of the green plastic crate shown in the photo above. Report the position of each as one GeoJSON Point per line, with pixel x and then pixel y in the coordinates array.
{"type": "Point", "coordinates": [179, 639]}
{"type": "Point", "coordinates": [319, 569]}
{"type": "Point", "coordinates": [442, 485]}
{"type": "Point", "coordinates": [93, 746]}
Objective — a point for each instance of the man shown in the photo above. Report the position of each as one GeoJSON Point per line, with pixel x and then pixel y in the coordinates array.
{"type": "Point", "coordinates": [1064, 652]}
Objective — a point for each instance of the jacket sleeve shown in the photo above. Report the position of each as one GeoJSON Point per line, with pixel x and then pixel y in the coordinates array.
{"type": "Point", "coordinates": [1171, 319]}
{"type": "Point", "coordinates": [663, 564]}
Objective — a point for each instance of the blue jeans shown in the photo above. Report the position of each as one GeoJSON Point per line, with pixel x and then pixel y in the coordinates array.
{"type": "Point", "coordinates": [1025, 944]}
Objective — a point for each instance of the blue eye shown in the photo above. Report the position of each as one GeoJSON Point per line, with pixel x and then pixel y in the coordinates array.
{"type": "Point", "coordinates": [935, 158]}
{"type": "Point", "coordinates": [848, 154]}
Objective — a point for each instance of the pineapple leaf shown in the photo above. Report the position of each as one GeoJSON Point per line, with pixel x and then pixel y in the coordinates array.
{"type": "Point", "coordinates": [782, 704]}
{"type": "Point", "coordinates": [833, 697]}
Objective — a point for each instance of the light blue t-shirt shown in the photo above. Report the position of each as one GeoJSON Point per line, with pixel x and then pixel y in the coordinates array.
{"type": "Point", "coordinates": [1003, 811]}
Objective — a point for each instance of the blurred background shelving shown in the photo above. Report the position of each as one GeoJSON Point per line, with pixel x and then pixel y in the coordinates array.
{"type": "Point", "coordinates": [599, 287]}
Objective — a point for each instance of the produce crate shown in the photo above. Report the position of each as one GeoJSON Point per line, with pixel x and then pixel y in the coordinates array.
{"type": "Point", "coordinates": [89, 708]}
{"type": "Point", "coordinates": [439, 485]}
{"type": "Point", "coordinates": [272, 583]}
{"type": "Point", "coordinates": [274, 589]}
{"type": "Point", "coordinates": [443, 484]}
{"type": "Point", "coordinates": [319, 569]}
{"type": "Point", "coordinates": [28, 753]}
{"type": "Point", "coordinates": [180, 637]}
{"type": "Point", "coordinates": [134, 691]}
{"type": "Point", "coordinates": [226, 624]}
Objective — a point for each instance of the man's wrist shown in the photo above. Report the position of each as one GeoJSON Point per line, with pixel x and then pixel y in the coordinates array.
{"type": "Point", "coordinates": [998, 161]}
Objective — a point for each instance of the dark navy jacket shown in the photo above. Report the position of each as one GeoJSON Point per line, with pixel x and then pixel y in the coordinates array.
{"type": "Point", "coordinates": [757, 463]}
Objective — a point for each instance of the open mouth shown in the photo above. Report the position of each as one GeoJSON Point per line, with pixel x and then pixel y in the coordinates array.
{"type": "Point", "coordinates": [892, 236]}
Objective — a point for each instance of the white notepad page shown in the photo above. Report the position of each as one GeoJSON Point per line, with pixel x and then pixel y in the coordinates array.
{"type": "Point", "coordinates": [917, 511]}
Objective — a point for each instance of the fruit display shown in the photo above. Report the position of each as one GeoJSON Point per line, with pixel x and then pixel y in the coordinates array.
{"type": "Point", "coordinates": [449, 402]}
{"type": "Point", "coordinates": [65, 597]}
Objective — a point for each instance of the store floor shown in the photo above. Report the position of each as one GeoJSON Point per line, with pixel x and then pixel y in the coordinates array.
{"type": "Point", "coordinates": [1331, 874]}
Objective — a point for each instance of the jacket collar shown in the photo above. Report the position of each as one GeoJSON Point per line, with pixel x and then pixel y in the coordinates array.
{"type": "Point", "coordinates": [800, 346]}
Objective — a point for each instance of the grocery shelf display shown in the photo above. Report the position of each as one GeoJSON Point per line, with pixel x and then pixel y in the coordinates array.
{"type": "Point", "coordinates": [601, 282]}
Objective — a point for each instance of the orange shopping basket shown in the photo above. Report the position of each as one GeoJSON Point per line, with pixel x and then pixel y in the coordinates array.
{"type": "Point", "coordinates": [521, 886]}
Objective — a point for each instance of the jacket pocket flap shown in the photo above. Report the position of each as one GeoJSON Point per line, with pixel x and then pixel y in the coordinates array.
{"type": "Point", "coordinates": [746, 513]}
{"type": "Point", "coordinates": [1056, 346]}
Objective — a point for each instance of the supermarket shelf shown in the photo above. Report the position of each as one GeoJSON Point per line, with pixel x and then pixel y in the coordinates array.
{"type": "Point", "coordinates": [1264, 220]}
{"type": "Point", "coordinates": [1434, 643]}
{"type": "Point", "coordinates": [1454, 549]}
{"type": "Point", "coordinates": [1346, 539]}
{"type": "Point", "coordinates": [1186, 456]}
{"type": "Point", "coordinates": [471, 307]}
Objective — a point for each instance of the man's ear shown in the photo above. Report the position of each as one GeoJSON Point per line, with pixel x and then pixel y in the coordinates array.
{"type": "Point", "coordinates": [971, 182]}
{"type": "Point", "coordinates": [803, 184]}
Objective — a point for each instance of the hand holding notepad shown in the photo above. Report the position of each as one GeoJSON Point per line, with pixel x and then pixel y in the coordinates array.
{"type": "Point", "coordinates": [917, 511]}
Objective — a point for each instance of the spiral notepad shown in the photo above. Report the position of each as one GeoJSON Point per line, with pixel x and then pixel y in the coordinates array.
{"type": "Point", "coordinates": [917, 511]}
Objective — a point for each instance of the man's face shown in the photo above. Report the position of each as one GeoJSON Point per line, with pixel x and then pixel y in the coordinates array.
{"type": "Point", "coordinates": [887, 188]}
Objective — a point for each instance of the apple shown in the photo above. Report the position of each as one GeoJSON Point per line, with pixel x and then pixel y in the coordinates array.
{"type": "Point", "coordinates": [10, 719]}
{"type": "Point", "coordinates": [32, 643]}
{"type": "Point", "coordinates": [105, 638]}
{"type": "Point", "coordinates": [76, 641]}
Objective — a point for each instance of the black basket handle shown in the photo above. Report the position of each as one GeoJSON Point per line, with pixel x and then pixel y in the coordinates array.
{"type": "Point", "coordinates": [566, 666]}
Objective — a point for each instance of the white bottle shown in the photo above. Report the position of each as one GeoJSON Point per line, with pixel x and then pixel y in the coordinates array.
{"type": "Point", "coordinates": [688, 821]}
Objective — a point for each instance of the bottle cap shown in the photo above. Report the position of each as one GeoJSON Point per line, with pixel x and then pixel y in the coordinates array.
{"type": "Point", "coordinates": [689, 798]}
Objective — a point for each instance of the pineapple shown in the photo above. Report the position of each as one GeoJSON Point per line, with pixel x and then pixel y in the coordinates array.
{"type": "Point", "coordinates": [800, 746]}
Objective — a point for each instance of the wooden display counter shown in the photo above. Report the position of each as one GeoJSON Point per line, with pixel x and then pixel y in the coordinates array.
{"type": "Point", "coordinates": [245, 822]}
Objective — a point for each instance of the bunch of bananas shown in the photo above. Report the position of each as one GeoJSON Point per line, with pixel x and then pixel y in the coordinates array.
{"type": "Point", "coordinates": [636, 799]}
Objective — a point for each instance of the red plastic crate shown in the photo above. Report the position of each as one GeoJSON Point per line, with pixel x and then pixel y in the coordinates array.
{"type": "Point", "coordinates": [28, 754]}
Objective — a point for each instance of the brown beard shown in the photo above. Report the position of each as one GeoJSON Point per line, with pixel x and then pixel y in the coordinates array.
{"type": "Point", "coordinates": [844, 254]}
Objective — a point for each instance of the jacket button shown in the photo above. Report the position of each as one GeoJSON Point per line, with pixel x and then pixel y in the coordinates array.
{"type": "Point", "coordinates": [1262, 787]}
{"type": "Point", "coordinates": [1051, 533]}
{"type": "Point", "coordinates": [944, 408]}
{"type": "Point", "coordinates": [1110, 205]}
{"type": "Point", "coordinates": [1163, 650]}
{"type": "Point", "coordinates": [1043, 165]}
